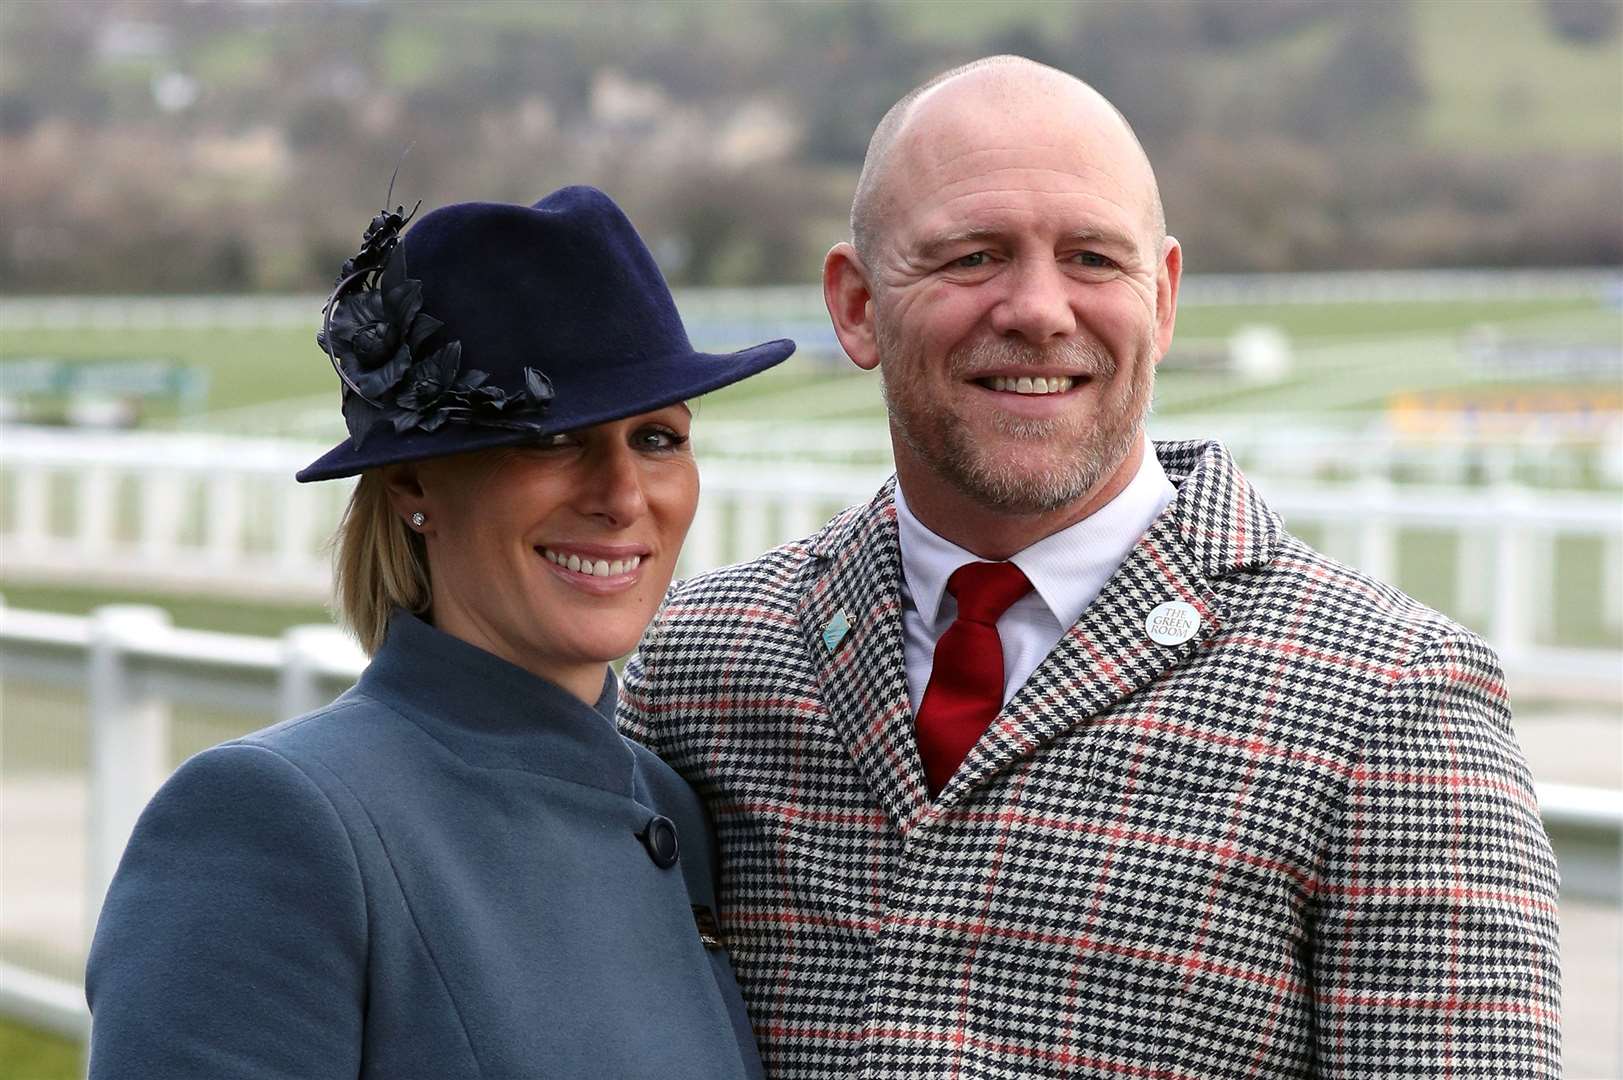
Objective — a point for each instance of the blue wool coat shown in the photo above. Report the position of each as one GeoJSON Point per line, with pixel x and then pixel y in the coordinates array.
{"type": "Point", "coordinates": [439, 875]}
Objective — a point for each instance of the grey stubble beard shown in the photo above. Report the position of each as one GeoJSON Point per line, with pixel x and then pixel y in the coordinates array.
{"type": "Point", "coordinates": [940, 439]}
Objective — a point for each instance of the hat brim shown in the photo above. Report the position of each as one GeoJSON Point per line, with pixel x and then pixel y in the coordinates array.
{"type": "Point", "coordinates": [704, 372]}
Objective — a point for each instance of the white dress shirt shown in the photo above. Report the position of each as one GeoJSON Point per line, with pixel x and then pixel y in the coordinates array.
{"type": "Point", "coordinates": [1066, 570]}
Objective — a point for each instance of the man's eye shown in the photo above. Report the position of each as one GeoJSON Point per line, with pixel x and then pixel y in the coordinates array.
{"type": "Point", "coordinates": [1093, 260]}
{"type": "Point", "coordinates": [970, 261]}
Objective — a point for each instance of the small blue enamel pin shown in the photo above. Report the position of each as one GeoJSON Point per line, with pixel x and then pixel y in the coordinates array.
{"type": "Point", "coordinates": [835, 631]}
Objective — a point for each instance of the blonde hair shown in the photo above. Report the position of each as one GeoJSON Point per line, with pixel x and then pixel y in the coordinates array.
{"type": "Point", "coordinates": [379, 563]}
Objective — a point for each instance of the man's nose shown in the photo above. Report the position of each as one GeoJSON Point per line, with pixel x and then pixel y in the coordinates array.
{"type": "Point", "coordinates": [1037, 306]}
{"type": "Point", "coordinates": [612, 488]}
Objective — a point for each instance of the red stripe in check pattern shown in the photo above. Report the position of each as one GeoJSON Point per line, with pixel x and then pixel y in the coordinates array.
{"type": "Point", "coordinates": [1459, 781]}
{"type": "Point", "coordinates": [1083, 943]}
{"type": "Point", "coordinates": [1526, 901]}
{"type": "Point", "coordinates": [1394, 1002]}
{"type": "Point", "coordinates": [1341, 660]}
{"type": "Point", "coordinates": [1382, 600]}
{"type": "Point", "coordinates": [1167, 840]}
{"type": "Point", "coordinates": [1176, 581]}
{"type": "Point", "coordinates": [799, 706]}
{"type": "Point", "coordinates": [1059, 1056]}
{"type": "Point", "coordinates": [790, 812]}
{"type": "Point", "coordinates": [1251, 743]}
{"type": "Point", "coordinates": [676, 609]}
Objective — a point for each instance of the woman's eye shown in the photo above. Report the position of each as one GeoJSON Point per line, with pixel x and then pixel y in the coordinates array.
{"type": "Point", "coordinates": [658, 439]}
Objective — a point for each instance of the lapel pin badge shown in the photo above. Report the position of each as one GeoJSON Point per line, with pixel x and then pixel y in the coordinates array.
{"type": "Point", "coordinates": [1172, 623]}
{"type": "Point", "coordinates": [835, 631]}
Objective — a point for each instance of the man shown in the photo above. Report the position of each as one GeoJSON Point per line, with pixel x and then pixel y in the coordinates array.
{"type": "Point", "coordinates": [1150, 789]}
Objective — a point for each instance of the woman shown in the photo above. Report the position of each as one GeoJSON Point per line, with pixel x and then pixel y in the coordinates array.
{"type": "Point", "coordinates": [458, 868]}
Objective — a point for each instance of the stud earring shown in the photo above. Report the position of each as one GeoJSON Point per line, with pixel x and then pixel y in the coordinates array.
{"type": "Point", "coordinates": [417, 519]}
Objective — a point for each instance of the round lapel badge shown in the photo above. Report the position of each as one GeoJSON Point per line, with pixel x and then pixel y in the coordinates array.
{"type": "Point", "coordinates": [1172, 623]}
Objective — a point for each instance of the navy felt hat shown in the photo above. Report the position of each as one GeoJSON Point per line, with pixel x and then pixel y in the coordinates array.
{"type": "Point", "coordinates": [489, 324]}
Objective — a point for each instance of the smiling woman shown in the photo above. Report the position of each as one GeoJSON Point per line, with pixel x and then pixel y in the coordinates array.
{"type": "Point", "coordinates": [554, 556]}
{"type": "Point", "coordinates": [459, 868]}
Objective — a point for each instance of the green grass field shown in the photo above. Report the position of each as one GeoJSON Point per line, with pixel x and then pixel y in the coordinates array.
{"type": "Point", "coordinates": [258, 367]}
{"type": "Point", "coordinates": [26, 1054]}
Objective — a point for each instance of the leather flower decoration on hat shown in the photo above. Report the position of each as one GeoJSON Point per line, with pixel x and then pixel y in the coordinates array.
{"type": "Point", "coordinates": [375, 333]}
{"type": "Point", "coordinates": [490, 324]}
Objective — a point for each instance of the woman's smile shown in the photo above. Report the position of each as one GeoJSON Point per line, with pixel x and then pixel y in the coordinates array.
{"type": "Point", "coordinates": [594, 568]}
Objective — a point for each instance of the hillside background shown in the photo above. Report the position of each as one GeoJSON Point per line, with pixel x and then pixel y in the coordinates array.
{"type": "Point", "coordinates": [231, 147]}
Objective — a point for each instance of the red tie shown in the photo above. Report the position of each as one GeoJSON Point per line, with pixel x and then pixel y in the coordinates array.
{"type": "Point", "coordinates": [966, 678]}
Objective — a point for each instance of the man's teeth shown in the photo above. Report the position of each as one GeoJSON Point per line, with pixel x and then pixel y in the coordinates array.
{"type": "Point", "coordinates": [1054, 384]}
{"type": "Point", "coordinates": [594, 567]}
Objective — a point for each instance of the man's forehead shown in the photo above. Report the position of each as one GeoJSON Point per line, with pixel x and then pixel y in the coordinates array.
{"type": "Point", "coordinates": [960, 140]}
{"type": "Point", "coordinates": [998, 113]}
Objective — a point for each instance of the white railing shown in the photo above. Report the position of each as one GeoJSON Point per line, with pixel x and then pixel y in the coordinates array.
{"type": "Point", "coordinates": [1401, 286]}
{"type": "Point", "coordinates": [135, 668]}
{"type": "Point", "coordinates": [222, 516]}
{"type": "Point", "coordinates": [172, 511]}
{"type": "Point", "coordinates": [783, 304]}
{"type": "Point", "coordinates": [1542, 450]}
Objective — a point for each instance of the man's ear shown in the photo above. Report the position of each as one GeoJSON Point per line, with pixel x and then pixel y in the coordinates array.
{"type": "Point", "coordinates": [1167, 279]}
{"type": "Point", "coordinates": [850, 304]}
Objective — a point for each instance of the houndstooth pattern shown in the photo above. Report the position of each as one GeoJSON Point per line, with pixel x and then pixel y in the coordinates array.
{"type": "Point", "coordinates": [1303, 843]}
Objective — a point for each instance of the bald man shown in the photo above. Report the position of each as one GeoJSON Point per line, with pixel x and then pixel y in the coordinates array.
{"type": "Point", "coordinates": [1061, 757]}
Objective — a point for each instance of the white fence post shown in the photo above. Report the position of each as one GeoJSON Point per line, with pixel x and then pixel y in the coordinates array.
{"type": "Point", "coordinates": [1473, 575]}
{"type": "Point", "coordinates": [801, 517]}
{"type": "Point", "coordinates": [703, 547]}
{"type": "Point", "coordinates": [129, 740]}
{"type": "Point", "coordinates": [95, 510]}
{"type": "Point", "coordinates": [1510, 629]}
{"type": "Point", "coordinates": [224, 506]}
{"type": "Point", "coordinates": [1539, 583]}
{"type": "Point", "coordinates": [752, 532]}
{"type": "Point", "coordinates": [32, 524]}
{"type": "Point", "coordinates": [300, 688]}
{"type": "Point", "coordinates": [294, 527]}
{"type": "Point", "coordinates": [1377, 533]}
{"type": "Point", "coordinates": [1611, 581]}
{"type": "Point", "coordinates": [163, 498]}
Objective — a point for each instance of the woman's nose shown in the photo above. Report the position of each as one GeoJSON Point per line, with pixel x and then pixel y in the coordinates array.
{"type": "Point", "coordinates": [612, 488]}
{"type": "Point", "coordinates": [1038, 304]}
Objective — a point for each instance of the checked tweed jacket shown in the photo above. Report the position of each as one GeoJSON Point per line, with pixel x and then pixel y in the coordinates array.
{"type": "Point", "coordinates": [1303, 843]}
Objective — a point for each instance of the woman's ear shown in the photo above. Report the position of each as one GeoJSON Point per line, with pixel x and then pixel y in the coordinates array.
{"type": "Point", "coordinates": [402, 482]}
{"type": "Point", "coordinates": [850, 304]}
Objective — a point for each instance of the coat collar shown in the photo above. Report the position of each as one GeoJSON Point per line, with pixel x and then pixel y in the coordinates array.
{"type": "Point", "coordinates": [860, 674]}
{"type": "Point", "coordinates": [1221, 521]}
{"type": "Point", "coordinates": [1216, 526]}
{"type": "Point", "coordinates": [493, 714]}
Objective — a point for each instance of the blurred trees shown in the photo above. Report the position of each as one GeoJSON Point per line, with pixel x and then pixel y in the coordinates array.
{"type": "Point", "coordinates": [1593, 21]}
{"type": "Point", "coordinates": [167, 146]}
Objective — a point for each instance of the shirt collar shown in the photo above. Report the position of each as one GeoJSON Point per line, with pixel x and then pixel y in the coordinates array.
{"type": "Point", "coordinates": [1067, 569]}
